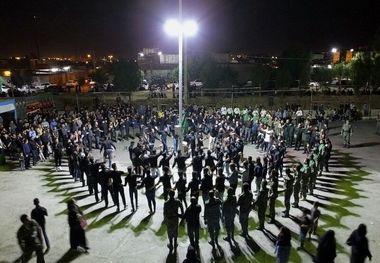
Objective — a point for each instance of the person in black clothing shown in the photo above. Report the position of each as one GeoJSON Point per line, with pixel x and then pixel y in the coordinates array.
{"type": "Point", "coordinates": [77, 226]}
{"type": "Point", "coordinates": [326, 251]}
{"type": "Point", "coordinates": [191, 255]}
{"type": "Point", "coordinates": [30, 239]}
{"type": "Point", "coordinates": [150, 191]}
{"type": "Point", "coordinates": [283, 245]}
{"type": "Point", "coordinates": [117, 186]}
{"type": "Point", "coordinates": [359, 245]}
{"type": "Point", "coordinates": [206, 185]}
{"type": "Point", "coordinates": [165, 161]}
{"type": "Point", "coordinates": [57, 149]}
{"type": "Point", "coordinates": [83, 166]}
{"type": "Point", "coordinates": [193, 186]}
{"type": "Point", "coordinates": [192, 219]}
{"type": "Point", "coordinates": [153, 163]}
{"type": "Point", "coordinates": [39, 214]}
{"type": "Point", "coordinates": [165, 179]}
{"type": "Point", "coordinates": [180, 160]}
{"type": "Point", "coordinates": [210, 161]}
{"type": "Point", "coordinates": [93, 178]}
{"type": "Point", "coordinates": [34, 150]}
{"type": "Point", "coordinates": [131, 180]}
{"type": "Point", "coordinates": [106, 184]}
{"type": "Point", "coordinates": [220, 184]}
{"type": "Point", "coordinates": [180, 186]}
{"type": "Point", "coordinates": [197, 163]}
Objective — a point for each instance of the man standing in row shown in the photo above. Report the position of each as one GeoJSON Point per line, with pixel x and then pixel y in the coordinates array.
{"type": "Point", "coordinates": [171, 216]}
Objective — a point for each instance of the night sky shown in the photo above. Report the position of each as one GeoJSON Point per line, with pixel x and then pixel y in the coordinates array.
{"type": "Point", "coordinates": [123, 27]}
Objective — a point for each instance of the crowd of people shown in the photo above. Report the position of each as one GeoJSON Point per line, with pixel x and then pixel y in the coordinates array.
{"type": "Point", "coordinates": [228, 181]}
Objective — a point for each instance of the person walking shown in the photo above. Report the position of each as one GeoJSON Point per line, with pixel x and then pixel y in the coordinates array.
{"type": "Point", "coordinates": [38, 214]}
{"type": "Point", "coordinates": [171, 216]}
{"type": "Point", "coordinates": [359, 245]}
{"type": "Point", "coordinates": [77, 225]}
{"type": "Point", "coordinates": [305, 223]}
{"type": "Point", "coordinates": [283, 245]}
{"type": "Point", "coordinates": [29, 238]}
{"type": "Point", "coordinates": [108, 147]}
{"type": "Point", "coordinates": [326, 251]}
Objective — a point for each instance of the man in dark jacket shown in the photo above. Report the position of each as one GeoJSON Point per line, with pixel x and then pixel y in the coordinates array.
{"type": "Point", "coordinates": [39, 214]}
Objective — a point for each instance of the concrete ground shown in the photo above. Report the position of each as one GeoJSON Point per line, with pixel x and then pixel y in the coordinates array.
{"type": "Point", "coordinates": [348, 195]}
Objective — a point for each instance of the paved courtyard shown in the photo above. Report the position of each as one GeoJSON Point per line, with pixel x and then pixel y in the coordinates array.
{"type": "Point", "coordinates": [348, 195]}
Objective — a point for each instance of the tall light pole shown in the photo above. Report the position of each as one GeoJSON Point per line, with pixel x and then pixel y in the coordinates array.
{"type": "Point", "coordinates": [180, 29]}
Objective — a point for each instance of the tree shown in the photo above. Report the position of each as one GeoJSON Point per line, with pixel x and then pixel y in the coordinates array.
{"type": "Point", "coordinates": [361, 68]}
{"type": "Point", "coordinates": [341, 70]}
{"type": "Point", "coordinates": [127, 76]}
{"type": "Point", "coordinates": [321, 74]}
{"type": "Point", "coordinates": [21, 77]}
{"type": "Point", "coordinates": [209, 74]}
{"type": "Point", "coordinates": [261, 74]}
{"type": "Point", "coordinates": [100, 76]}
{"type": "Point", "coordinates": [297, 62]}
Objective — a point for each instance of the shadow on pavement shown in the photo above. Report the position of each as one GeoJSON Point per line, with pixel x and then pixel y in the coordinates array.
{"type": "Point", "coordinates": [69, 256]}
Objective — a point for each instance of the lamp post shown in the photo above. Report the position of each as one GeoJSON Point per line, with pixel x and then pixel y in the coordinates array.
{"type": "Point", "coordinates": [180, 29]}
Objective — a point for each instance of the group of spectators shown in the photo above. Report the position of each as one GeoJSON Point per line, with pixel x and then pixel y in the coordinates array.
{"type": "Point", "coordinates": [212, 144]}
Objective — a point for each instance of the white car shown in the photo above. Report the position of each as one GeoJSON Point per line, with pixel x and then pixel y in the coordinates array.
{"type": "Point", "coordinates": [24, 89]}
{"type": "Point", "coordinates": [171, 85]}
{"type": "Point", "coordinates": [4, 89]}
{"type": "Point", "coordinates": [315, 86]}
{"type": "Point", "coordinates": [196, 83]}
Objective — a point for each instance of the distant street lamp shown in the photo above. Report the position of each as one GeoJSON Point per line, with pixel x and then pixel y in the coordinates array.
{"type": "Point", "coordinates": [180, 29]}
{"type": "Point", "coordinates": [334, 50]}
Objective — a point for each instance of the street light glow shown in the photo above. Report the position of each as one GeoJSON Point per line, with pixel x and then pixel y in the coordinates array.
{"type": "Point", "coordinates": [173, 27]}
{"type": "Point", "coordinates": [351, 50]}
{"type": "Point", "coordinates": [141, 54]}
{"type": "Point", "coordinates": [190, 28]}
{"type": "Point", "coordinates": [159, 53]}
{"type": "Point", "coordinates": [334, 50]}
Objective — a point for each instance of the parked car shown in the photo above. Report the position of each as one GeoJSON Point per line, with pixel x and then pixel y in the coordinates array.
{"type": "Point", "coordinates": [4, 89]}
{"type": "Point", "coordinates": [25, 89]}
{"type": "Point", "coordinates": [196, 83]}
{"type": "Point", "coordinates": [144, 85]}
{"type": "Point", "coordinates": [170, 85]}
{"type": "Point", "coordinates": [314, 86]}
{"type": "Point", "coordinates": [343, 86]}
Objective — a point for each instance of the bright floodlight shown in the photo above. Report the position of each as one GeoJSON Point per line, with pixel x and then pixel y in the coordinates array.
{"type": "Point", "coordinates": [172, 27]}
{"type": "Point", "coordinates": [351, 50]}
{"type": "Point", "coordinates": [334, 50]}
{"type": "Point", "coordinates": [190, 28]}
{"type": "Point", "coordinates": [159, 53]}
